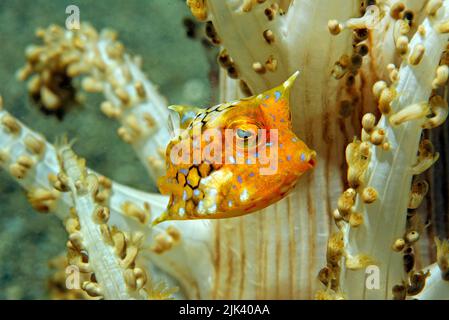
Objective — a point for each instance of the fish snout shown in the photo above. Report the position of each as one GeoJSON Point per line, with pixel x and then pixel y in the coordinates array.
{"type": "Point", "coordinates": [311, 159]}
{"type": "Point", "coordinates": [307, 160]}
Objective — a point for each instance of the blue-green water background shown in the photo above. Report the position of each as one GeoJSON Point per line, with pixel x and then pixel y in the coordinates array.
{"type": "Point", "coordinates": [151, 28]}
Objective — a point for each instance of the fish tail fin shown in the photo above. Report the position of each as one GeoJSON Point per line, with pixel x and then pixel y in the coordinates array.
{"type": "Point", "coordinates": [163, 217]}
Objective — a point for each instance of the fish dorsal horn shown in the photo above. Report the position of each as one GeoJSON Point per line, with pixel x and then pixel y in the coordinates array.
{"type": "Point", "coordinates": [288, 84]}
{"type": "Point", "coordinates": [285, 88]}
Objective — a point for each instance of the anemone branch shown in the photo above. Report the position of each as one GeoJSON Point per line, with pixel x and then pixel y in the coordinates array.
{"type": "Point", "coordinates": [105, 67]}
{"type": "Point", "coordinates": [168, 246]}
{"type": "Point", "coordinates": [389, 170]}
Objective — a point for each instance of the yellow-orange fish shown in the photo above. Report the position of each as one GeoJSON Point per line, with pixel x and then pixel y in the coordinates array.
{"type": "Point", "coordinates": [234, 158]}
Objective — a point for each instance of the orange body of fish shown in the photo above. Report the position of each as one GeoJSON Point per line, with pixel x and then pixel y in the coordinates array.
{"type": "Point", "coordinates": [234, 158]}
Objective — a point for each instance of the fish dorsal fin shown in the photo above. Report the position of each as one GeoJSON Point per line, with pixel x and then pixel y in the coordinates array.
{"type": "Point", "coordinates": [186, 114]}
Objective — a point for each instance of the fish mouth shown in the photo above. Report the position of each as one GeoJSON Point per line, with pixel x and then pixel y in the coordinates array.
{"type": "Point", "coordinates": [311, 159]}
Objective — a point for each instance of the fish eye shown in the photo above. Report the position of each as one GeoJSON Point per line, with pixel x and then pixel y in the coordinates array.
{"type": "Point", "coordinates": [244, 134]}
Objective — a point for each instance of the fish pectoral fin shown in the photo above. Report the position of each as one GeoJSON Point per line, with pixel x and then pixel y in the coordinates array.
{"type": "Point", "coordinates": [169, 188]}
{"type": "Point", "coordinates": [163, 186]}
{"type": "Point", "coordinates": [186, 115]}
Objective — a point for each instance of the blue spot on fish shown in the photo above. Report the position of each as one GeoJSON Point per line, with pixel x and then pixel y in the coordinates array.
{"type": "Point", "coordinates": [277, 94]}
{"type": "Point", "coordinates": [239, 179]}
{"type": "Point", "coordinates": [303, 157]}
{"type": "Point", "coordinates": [184, 171]}
{"type": "Point", "coordinates": [289, 157]}
{"type": "Point", "coordinates": [212, 208]}
{"type": "Point", "coordinates": [251, 174]}
{"type": "Point", "coordinates": [187, 116]}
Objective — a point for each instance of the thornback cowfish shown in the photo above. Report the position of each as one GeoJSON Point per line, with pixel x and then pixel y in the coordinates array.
{"type": "Point", "coordinates": [234, 158]}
